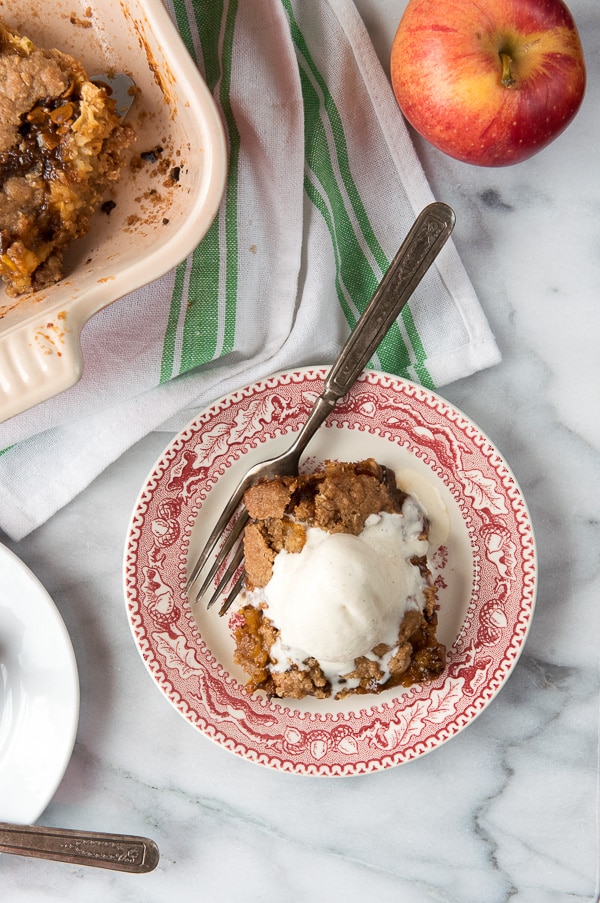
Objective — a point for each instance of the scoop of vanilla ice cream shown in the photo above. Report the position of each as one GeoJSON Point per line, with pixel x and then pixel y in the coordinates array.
{"type": "Point", "coordinates": [342, 595]}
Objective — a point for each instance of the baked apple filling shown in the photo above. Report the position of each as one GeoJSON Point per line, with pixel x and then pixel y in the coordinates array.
{"type": "Point", "coordinates": [61, 147]}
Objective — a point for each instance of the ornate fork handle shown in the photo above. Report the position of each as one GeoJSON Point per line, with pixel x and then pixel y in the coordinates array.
{"type": "Point", "coordinates": [123, 852]}
{"type": "Point", "coordinates": [430, 231]}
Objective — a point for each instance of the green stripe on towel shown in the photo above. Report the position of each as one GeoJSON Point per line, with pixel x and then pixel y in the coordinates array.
{"type": "Point", "coordinates": [201, 325]}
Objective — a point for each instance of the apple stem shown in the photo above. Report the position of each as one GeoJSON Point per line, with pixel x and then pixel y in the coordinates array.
{"type": "Point", "coordinates": [507, 79]}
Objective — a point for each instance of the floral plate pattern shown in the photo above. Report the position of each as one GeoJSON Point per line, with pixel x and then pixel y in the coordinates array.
{"type": "Point", "coordinates": [485, 572]}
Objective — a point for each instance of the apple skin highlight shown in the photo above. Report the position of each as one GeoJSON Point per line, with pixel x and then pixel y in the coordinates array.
{"type": "Point", "coordinates": [488, 82]}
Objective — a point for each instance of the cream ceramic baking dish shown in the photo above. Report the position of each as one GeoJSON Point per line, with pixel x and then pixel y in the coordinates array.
{"type": "Point", "coordinates": [152, 227]}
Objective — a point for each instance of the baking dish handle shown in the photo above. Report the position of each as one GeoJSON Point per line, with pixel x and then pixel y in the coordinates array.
{"type": "Point", "coordinates": [38, 360]}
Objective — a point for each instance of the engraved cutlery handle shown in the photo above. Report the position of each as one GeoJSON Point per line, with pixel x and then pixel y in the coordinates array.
{"type": "Point", "coordinates": [429, 233]}
{"type": "Point", "coordinates": [122, 852]}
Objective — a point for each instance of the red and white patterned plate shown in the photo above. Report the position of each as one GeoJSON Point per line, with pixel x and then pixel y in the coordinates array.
{"type": "Point", "coordinates": [485, 572]}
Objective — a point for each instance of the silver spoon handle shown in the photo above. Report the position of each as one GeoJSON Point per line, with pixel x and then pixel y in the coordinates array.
{"type": "Point", "coordinates": [429, 233]}
{"type": "Point", "coordinates": [122, 852]}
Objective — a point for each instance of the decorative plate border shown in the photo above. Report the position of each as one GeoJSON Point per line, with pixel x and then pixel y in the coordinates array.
{"type": "Point", "coordinates": [188, 658]}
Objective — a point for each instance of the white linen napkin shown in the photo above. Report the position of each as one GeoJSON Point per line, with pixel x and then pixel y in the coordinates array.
{"type": "Point", "coordinates": [323, 185]}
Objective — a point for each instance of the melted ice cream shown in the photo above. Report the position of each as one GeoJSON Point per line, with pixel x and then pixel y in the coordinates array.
{"type": "Point", "coordinates": [342, 595]}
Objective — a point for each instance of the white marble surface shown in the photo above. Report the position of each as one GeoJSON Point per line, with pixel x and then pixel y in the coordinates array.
{"type": "Point", "coordinates": [508, 810]}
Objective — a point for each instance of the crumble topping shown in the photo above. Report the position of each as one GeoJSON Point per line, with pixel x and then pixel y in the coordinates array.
{"type": "Point", "coordinates": [61, 147]}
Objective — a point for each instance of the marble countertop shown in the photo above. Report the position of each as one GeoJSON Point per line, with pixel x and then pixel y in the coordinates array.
{"type": "Point", "coordinates": [508, 810]}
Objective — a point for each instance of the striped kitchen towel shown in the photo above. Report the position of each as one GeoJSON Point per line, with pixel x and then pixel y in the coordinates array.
{"type": "Point", "coordinates": [323, 184]}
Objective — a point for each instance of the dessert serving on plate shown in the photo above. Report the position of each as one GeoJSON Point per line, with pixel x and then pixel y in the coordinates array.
{"type": "Point", "coordinates": [61, 146]}
{"type": "Point", "coordinates": [339, 595]}
{"type": "Point", "coordinates": [480, 552]}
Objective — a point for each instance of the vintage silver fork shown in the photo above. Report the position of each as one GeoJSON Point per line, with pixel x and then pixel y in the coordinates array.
{"type": "Point", "coordinates": [421, 246]}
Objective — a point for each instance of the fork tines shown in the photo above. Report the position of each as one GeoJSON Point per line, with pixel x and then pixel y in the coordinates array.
{"type": "Point", "coordinates": [232, 542]}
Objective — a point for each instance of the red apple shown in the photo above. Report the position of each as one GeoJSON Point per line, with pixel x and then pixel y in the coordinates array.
{"type": "Point", "coordinates": [489, 82]}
